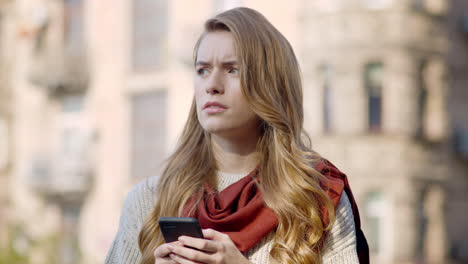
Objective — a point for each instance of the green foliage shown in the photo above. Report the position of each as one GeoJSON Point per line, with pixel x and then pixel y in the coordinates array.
{"type": "Point", "coordinates": [19, 247]}
{"type": "Point", "coordinates": [9, 253]}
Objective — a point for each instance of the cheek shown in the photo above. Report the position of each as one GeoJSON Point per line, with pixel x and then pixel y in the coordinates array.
{"type": "Point", "coordinates": [198, 95]}
{"type": "Point", "coordinates": [240, 101]}
{"type": "Point", "coordinates": [244, 110]}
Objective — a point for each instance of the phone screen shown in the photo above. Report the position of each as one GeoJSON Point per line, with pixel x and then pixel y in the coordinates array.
{"type": "Point", "coordinates": [174, 227]}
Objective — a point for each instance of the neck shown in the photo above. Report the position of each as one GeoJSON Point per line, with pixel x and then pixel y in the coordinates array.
{"type": "Point", "coordinates": [235, 155]}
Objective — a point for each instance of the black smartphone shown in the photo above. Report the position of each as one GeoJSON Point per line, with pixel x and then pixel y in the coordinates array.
{"type": "Point", "coordinates": [174, 227]}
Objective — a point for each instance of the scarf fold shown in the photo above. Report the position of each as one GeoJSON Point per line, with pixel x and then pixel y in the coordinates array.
{"type": "Point", "coordinates": [240, 212]}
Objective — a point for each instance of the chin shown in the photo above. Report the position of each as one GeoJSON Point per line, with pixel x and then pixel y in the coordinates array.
{"type": "Point", "coordinates": [218, 129]}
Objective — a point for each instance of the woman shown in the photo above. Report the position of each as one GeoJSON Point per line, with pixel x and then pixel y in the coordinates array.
{"type": "Point", "coordinates": [242, 167]}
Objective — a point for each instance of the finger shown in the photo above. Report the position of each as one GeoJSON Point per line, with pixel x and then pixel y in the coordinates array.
{"type": "Point", "coordinates": [190, 254]}
{"type": "Point", "coordinates": [166, 260]}
{"type": "Point", "coordinates": [181, 260]}
{"type": "Point", "coordinates": [164, 249]}
{"type": "Point", "coordinates": [215, 235]}
{"type": "Point", "coordinates": [199, 243]}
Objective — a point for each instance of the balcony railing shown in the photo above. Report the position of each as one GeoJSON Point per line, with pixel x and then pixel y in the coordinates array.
{"type": "Point", "coordinates": [60, 71]}
{"type": "Point", "coordinates": [59, 60]}
{"type": "Point", "coordinates": [63, 178]}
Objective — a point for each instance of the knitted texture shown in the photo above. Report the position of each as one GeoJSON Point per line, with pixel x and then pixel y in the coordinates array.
{"type": "Point", "coordinates": [339, 246]}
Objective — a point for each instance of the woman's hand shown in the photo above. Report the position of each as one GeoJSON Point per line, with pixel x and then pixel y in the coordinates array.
{"type": "Point", "coordinates": [161, 254]}
{"type": "Point", "coordinates": [216, 248]}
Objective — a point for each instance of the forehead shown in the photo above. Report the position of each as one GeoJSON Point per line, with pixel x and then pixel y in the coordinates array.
{"type": "Point", "coordinates": [218, 45]}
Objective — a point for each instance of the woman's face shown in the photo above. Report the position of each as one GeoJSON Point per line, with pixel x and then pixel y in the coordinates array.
{"type": "Point", "coordinates": [221, 106]}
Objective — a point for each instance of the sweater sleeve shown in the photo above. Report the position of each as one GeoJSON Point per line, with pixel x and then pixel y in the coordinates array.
{"type": "Point", "coordinates": [137, 205]}
{"type": "Point", "coordinates": [340, 244]}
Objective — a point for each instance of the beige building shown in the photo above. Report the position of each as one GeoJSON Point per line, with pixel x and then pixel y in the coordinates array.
{"type": "Point", "coordinates": [382, 77]}
{"type": "Point", "coordinates": [97, 92]}
{"type": "Point", "coordinates": [5, 126]}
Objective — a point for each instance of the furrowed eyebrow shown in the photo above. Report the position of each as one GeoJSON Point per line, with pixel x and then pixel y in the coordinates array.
{"type": "Point", "coordinates": [229, 63]}
{"type": "Point", "coordinates": [203, 63]}
{"type": "Point", "coordinates": [226, 63]}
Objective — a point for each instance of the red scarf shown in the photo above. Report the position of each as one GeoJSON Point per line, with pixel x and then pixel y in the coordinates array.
{"type": "Point", "coordinates": [239, 210]}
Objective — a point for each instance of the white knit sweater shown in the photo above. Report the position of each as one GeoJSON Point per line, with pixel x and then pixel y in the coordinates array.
{"type": "Point", "coordinates": [339, 247]}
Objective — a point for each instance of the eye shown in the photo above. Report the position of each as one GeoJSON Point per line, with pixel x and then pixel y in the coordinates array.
{"type": "Point", "coordinates": [234, 71]}
{"type": "Point", "coordinates": [202, 71]}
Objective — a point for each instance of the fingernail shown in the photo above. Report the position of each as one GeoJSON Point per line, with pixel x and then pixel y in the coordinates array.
{"type": "Point", "coordinates": [181, 239]}
{"type": "Point", "coordinates": [170, 247]}
{"type": "Point", "coordinates": [172, 255]}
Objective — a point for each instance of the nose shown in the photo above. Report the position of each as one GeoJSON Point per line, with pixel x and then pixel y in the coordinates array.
{"type": "Point", "coordinates": [215, 83]}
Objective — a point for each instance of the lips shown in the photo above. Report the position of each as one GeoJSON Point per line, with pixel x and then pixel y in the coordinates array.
{"type": "Point", "coordinates": [214, 107]}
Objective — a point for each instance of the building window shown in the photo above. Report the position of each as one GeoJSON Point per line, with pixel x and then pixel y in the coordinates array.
{"type": "Point", "coordinates": [432, 7]}
{"type": "Point", "coordinates": [432, 243]}
{"type": "Point", "coordinates": [464, 24]}
{"type": "Point", "coordinates": [421, 217]}
{"type": "Point", "coordinates": [74, 25]}
{"type": "Point", "coordinates": [72, 134]}
{"type": "Point", "coordinates": [432, 117]}
{"type": "Point", "coordinates": [149, 34]}
{"type": "Point", "coordinates": [326, 76]}
{"type": "Point", "coordinates": [68, 249]}
{"type": "Point", "coordinates": [418, 5]}
{"type": "Point", "coordinates": [422, 97]}
{"type": "Point", "coordinates": [373, 81]}
{"type": "Point", "coordinates": [71, 168]}
{"type": "Point", "coordinates": [72, 143]}
{"type": "Point", "coordinates": [374, 213]}
{"type": "Point", "coordinates": [148, 135]}
{"type": "Point", "coordinates": [40, 18]}
{"type": "Point", "coordinates": [460, 141]}
{"type": "Point", "coordinates": [72, 103]}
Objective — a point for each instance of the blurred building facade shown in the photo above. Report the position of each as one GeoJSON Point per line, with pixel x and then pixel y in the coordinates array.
{"type": "Point", "coordinates": [5, 125]}
{"type": "Point", "coordinates": [389, 95]}
{"type": "Point", "coordinates": [96, 93]}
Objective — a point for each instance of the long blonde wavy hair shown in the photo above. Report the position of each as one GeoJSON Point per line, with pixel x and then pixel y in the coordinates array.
{"type": "Point", "coordinates": [271, 83]}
